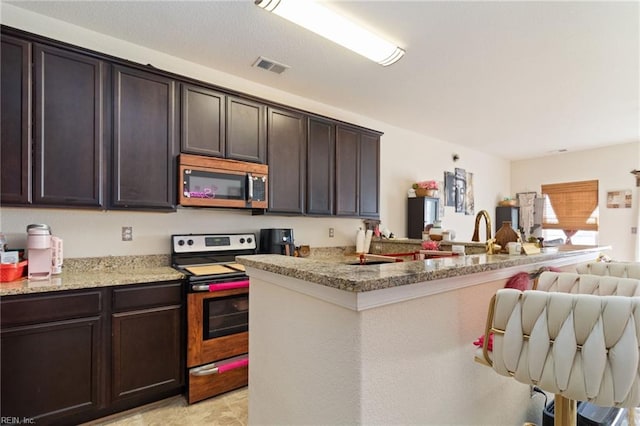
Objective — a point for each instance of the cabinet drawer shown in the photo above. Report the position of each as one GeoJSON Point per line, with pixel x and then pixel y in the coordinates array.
{"type": "Point", "coordinates": [23, 310]}
{"type": "Point", "coordinates": [147, 296]}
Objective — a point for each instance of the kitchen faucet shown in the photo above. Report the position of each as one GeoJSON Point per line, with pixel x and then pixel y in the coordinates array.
{"type": "Point", "coordinates": [476, 230]}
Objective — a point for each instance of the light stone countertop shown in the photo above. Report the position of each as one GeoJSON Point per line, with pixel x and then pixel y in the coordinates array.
{"type": "Point", "coordinates": [337, 273]}
{"type": "Point", "coordinates": [108, 271]}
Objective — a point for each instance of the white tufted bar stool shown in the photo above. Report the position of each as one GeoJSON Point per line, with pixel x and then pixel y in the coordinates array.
{"type": "Point", "coordinates": [581, 347]}
{"type": "Point", "coordinates": [614, 269]}
{"type": "Point", "coordinates": [602, 285]}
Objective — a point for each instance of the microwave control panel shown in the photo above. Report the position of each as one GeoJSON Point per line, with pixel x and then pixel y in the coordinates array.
{"type": "Point", "coordinates": [259, 188]}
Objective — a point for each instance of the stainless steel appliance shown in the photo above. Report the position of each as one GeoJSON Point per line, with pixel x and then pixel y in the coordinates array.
{"type": "Point", "coordinates": [218, 182]}
{"type": "Point", "coordinates": [277, 241]}
{"type": "Point", "coordinates": [217, 310]}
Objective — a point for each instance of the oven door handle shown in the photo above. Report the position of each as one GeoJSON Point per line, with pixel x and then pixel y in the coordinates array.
{"type": "Point", "coordinates": [220, 286]}
{"type": "Point", "coordinates": [209, 369]}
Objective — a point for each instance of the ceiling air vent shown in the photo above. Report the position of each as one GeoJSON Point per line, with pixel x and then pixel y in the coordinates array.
{"type": "Point", "coordinates": [270, 65]}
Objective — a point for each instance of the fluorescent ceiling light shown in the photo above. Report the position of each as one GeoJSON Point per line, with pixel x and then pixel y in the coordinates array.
{"type": "Point", "coordinates": [328, 24]}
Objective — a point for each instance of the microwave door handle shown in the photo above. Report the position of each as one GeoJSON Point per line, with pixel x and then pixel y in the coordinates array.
{"type": "Point", "coordinates": [250, 187]}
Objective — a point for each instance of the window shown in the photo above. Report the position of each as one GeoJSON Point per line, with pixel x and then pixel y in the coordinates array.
{"type": "Point", "coordinates": [571, 211]}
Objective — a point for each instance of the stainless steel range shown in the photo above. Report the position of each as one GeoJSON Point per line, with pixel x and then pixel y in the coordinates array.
{"type": "Point", "coordinates": [217, 310]}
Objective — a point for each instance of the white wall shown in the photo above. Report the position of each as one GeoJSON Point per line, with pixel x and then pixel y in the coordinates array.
{"type": "Point", "coordinates": [611, 166]}
{"type": "Point", "coordinates": [406, 157]}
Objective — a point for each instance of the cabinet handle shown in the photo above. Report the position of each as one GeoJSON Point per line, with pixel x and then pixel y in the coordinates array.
{"type": "Point", "coordinates": [222, 367]}
{"type": "Point", "coordinates": [220, 286]}
{"type": "Point", "coordinates": [205, 370]}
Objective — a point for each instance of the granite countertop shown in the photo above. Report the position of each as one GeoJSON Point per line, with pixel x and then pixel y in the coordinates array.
{"type": "Point", "coordinates": [336, 272]}
{"type": "Point", "coordinates": [98, 272]}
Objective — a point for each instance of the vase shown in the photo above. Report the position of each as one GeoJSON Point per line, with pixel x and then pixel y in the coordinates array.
{"type": "Point", "coordinates": [422, 192]}
{"type": "Point", "coordinates": [506, 234]}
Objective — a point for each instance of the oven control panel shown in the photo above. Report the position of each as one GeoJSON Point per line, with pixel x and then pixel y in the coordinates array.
{"type": "Point", "coordinates": [191, 243]}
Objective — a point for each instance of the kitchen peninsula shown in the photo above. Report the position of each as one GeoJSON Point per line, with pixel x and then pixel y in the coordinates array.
{"type": "Point", "coordinates": [335, 343]}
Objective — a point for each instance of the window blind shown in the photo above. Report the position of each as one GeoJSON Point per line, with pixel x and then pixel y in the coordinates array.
{"type": "Point", "coordinates": [573, 206]}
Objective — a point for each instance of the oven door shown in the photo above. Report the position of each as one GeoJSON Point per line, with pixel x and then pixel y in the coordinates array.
{"type": "Point", "coordinates": [218, 325]}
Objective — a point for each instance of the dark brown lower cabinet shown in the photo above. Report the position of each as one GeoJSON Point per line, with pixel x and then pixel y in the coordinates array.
{"type": "Point", "coordinates": [51, 355]}
{"type": "Point", "coordinates": [147, 355]}
{"type": "Point", "coordinates": [64, 362]}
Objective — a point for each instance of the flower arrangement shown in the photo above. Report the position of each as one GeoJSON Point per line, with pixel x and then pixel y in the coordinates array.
{"type": "Point", "coordinates": [426, 184]}
{"type": "Point", "coordinates": [430, 245]}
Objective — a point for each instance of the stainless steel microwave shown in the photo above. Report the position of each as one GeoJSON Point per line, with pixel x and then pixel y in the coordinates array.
{"type": "Point", "coordinates": [218, 182]}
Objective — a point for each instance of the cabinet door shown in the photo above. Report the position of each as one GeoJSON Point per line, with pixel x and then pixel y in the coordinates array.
{"type": "Point", "coordinates": [146, 351]}
{"type": "Point", "coordinates": [50, 371]}
{"type": "Point", "coordinates": [69, 120]}
{"type": "Point", "coordinates": [370, 175]}
{"type": "Point", "coordinates": [51, 356]}
{"type": "Point", "coordinates": [321, 152]}
{"type": "Point", "coordinates": [147, 342]}
{"type": "Point", "coordinates": [203, 121]}
{"type": "Point", "coordinates": [246, 130]}
{"type": "Point", "coordinates": [287, 158]}
{"type": "Point", "coordinates": [15, 127]}
{"type": "Point", "coordinates": [144, 151]}
{"type": "Point", "coordinates": [347, 172]}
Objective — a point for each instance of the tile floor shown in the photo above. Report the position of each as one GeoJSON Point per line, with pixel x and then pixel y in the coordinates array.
{"type": "Point", "coordinates": [229, 409]}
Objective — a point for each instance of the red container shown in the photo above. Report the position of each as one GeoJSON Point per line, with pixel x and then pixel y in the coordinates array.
{"type": "Point", "coordinates": [12, 271]}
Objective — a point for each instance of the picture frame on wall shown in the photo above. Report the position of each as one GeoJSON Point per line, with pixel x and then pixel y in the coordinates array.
{"type": "Point", "coordinates": [468, 199]}
{"type": "Point", "coordinates": [461, 189]}
{"type": "Point", "coordinates": [449, 189]}
{"type": "Point", "coordinates": [619, 199]}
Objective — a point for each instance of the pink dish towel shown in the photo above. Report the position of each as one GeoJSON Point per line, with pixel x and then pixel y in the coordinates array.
{"type": "Point", "coordinates": [228, 286]}
{"type": "Point", "coordinates": [233, 365]}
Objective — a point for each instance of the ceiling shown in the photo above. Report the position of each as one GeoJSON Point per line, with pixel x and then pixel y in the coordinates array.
{"type": "Point", "coordinates": [514, 79]}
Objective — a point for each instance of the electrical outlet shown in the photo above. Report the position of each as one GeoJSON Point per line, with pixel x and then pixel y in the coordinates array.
{"type": "Point", "coordinates": [332, 233]}
{"type": "Point", "coordinates": [127, 233]}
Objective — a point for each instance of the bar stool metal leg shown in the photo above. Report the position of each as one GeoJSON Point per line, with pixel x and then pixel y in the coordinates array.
{"type": "Point", "coordinates": [565, 411]}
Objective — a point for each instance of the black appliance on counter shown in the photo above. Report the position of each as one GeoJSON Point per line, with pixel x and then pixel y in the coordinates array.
{"type": "Point", "coordinates": [277, 241]}
{"type": "Point", "coordinates": [217, 294]}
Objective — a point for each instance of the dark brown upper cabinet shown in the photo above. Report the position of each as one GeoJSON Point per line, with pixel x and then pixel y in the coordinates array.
{"type": "Point", "coordinates": [347, 173]}
{"type": "Point", "coordinates": [246, 130]}
{"type": "Point", "coordinates": [65, 167]}
{"type": "Point", "coordinates": [15, 126]}
{"type": "Point", "coordinates": [369, 175]}
{"type": "Point", "coordinates": [144, 140]}
{"type": "Point", "coordinates": [287, 159]}
{"type": "Point", "coordinates": [203, 121]}
{"type": "Point", "coordinates": [321, 152]}
{"type": "Point", "coordinates": [357, 172]}
{"type": "Point", "coordinates": [69, 130]}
